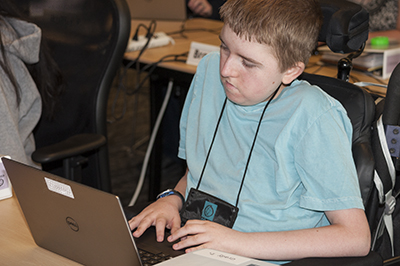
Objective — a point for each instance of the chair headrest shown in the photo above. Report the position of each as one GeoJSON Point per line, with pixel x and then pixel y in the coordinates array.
{"type": "Point", "coordinates": [345, 25]}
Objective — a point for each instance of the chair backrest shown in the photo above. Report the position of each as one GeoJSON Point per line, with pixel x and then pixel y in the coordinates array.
{"type": "Point", "coordinates": [345, 26]}
{"type": "Point", "coordinates": [87, 39]}
{"type": "Point", "coordinates": [345, 30]}
{"type": "Point", "coordinates": [386, 146]}
{"type": "Point", "coordinates": [360, 108]}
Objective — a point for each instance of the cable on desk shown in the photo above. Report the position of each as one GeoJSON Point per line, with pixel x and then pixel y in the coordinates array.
{"type": "Point", "coordinates": [151, 143]}
{"type": "Point", "coordinates": [149, 35]}
{"type": "Point", "coordinates": [150, 32]}
{"type": "Point", "coordinates": [136, 35]}
{"type": "Point", "coordinates": [183, 30]}
{"type": "Point", "coordinates": [151, 67]}
{"type": "Point", "coordinates": [374, 77]}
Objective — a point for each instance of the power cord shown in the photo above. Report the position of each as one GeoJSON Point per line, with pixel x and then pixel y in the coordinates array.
{"type": "Point", "coordinates": [139, 84]}
{"type": "Point", "coordinates": [149, 68]}
{"type": "Point", "coordinates": [151, 143]}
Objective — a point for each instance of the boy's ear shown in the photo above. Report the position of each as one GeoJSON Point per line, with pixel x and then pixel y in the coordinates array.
{"type": "Point", "coordinates": [293, 72]}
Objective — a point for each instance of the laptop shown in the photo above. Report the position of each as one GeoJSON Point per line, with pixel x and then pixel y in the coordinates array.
{"type": "Point", "coordinates": [90, 226]}
{"type": "Point", "coordinates": [158, 9]}
{"type": "Point", "coordinates": [79, 222]}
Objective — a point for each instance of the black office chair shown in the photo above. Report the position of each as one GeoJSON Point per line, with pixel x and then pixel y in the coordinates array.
{"type": "Point", "coordinates": [369, 156]}
{"type": "Point", "coordinates": [386, 146]}
{"type": "Point", "coordinates": [367, 152]}
{"type": "Point", "coordinates": [87, 39]}
{"type": "Point", "coordinates": [360, 108]}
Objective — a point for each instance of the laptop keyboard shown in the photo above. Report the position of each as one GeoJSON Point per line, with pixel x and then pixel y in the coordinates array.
{"type": "Point", "coordinates": [149, 258]}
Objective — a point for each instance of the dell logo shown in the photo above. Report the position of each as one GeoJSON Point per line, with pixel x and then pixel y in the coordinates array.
{"type": "Point", "coordinates": [72, 224]}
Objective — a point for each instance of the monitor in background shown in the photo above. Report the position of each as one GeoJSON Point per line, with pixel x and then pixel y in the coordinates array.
{"type": "Point", "coordinates": [158, 9]}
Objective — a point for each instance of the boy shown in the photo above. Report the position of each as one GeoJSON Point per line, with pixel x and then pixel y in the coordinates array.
{"type": "Point", "coordinates": [278, 147]}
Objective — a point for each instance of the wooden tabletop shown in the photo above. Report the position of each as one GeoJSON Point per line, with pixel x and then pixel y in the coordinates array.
{"type": "Point", "coordinates": [196, 29]}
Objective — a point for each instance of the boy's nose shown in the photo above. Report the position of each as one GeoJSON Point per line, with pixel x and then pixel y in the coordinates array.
{"type": "Point", "coordinates": [228, 68]}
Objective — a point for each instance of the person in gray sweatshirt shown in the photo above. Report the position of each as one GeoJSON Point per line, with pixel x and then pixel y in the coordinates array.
{"type": "Point", "coordinates": [26, 73]}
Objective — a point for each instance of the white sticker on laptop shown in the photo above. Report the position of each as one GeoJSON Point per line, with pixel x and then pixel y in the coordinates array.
{"type": "Point", "coordinates": [59, 188]}
{"type": "Point", "coordinates": [222, 256]}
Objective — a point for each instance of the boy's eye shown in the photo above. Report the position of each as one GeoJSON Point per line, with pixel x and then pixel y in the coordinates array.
{"type": "Point", "coordinates": [247, 64]}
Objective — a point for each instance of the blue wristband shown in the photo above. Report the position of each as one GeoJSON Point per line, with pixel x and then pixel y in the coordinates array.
{"type": "Point", "coordinates": [170, 192]}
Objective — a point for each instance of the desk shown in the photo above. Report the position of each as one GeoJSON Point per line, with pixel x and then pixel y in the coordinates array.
{"type": "Point", "coordinates": [17, 246]}
{"type": "Point", "coordinates": [183, 45]}
{"type": "Point", "coordinates": [183, 73]}
{"type": "Point", "coordinates": [196, 29]}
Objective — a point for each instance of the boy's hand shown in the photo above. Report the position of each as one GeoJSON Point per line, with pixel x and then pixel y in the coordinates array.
{"type": "Point", "coordinates": [162, 214]}
{"type": "Point", "coordinates": [199, 234]}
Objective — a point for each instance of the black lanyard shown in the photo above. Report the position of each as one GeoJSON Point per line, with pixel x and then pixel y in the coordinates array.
{"type": "Point", "coordinates": [251, 149]}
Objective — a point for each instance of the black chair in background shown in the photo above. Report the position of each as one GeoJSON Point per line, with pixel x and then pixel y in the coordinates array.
{"type": "Point", "coordinates": [87, 39]}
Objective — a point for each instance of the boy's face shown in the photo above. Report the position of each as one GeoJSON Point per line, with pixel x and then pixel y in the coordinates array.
{"type": "Point", "coordinates": [249, 71]}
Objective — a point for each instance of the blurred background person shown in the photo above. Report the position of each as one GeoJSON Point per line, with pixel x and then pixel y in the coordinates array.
{"type": "Point", "coordinates": [383, 17]}
{"type": "Point", "coordinates": [205, 8]}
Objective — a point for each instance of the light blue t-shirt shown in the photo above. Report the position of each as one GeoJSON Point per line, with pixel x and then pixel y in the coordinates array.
{"type": "Point", "coordinates": [301, 164]}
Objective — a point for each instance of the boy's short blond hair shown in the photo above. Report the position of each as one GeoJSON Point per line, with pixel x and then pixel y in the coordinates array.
{"type": "Point", "coordinates": [290, 27]}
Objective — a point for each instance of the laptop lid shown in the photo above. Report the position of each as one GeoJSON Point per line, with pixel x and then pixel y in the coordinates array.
{"type": "Point", "coordinates": [158, 9]}
{"type": "Point", "coordinates": [73, 220]}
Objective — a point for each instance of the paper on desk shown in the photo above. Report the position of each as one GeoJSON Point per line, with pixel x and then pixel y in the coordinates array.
{"type": "Point", "coordinates": [198, 51]}
{"type": "Point", "coordinates": [5, 184]}
{"type": "Point", "coordinates": [212, 257]}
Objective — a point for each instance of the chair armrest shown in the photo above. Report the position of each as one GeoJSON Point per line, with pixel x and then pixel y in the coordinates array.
{"type": "Point", "coordinates": [73, 146]}
{"type": "Point", "coordinates": [372, 259]}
